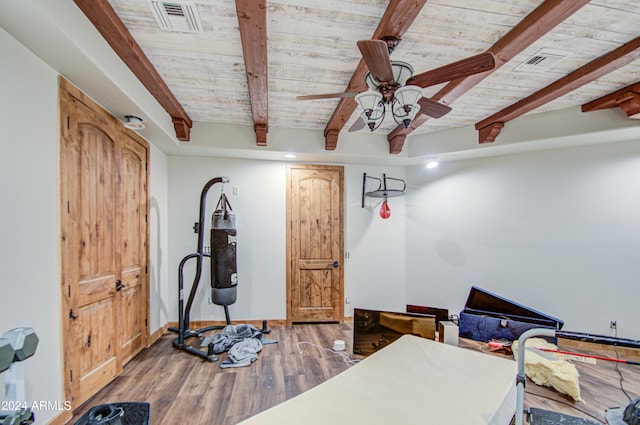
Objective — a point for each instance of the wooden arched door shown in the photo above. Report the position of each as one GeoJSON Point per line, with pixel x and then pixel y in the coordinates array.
{"type": "Point", "coordinates": [104, 253]}
{"type": "Point", "coordinates": [315, 243]}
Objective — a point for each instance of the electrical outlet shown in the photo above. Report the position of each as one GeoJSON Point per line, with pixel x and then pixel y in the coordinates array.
{"type": "Point", "coordinates": [613, 325]}
{"type": "Point", "coordinates": [347, 300]}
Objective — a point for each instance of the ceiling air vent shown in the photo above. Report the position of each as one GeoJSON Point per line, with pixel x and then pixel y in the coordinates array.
{"type": "Point", "coordinates": [543, 60]}
{"type": "Point", "coordinates": [176, 16]}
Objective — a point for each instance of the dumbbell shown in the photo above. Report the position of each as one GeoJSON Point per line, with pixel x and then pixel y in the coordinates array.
{"type": "Point", "coordinates": [19, 417]}
{"type": "Point", "coordinates": [23, 341]}
{"type": "Point", "coordinates": [6, 354]}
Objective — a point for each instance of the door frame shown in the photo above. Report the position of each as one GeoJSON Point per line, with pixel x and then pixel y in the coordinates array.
{"type": "Point", "coordinates": [289, 217]}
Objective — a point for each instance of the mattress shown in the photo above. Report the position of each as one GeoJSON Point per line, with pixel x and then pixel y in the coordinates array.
{"type": "Point", "coordinates": [411, 381]}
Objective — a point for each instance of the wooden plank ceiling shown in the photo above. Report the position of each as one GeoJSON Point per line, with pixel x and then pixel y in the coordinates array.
{"type": "Point", "coordinates": [253, 57]}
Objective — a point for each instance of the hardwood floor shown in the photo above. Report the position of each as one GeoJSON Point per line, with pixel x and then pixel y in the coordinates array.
{"type": "Point", "coordinates": [182, 388]}
{"type": "Point", "coordinates": [599, 384]}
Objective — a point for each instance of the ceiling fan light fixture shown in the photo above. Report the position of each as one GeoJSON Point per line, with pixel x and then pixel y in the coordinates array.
{"type": "Point", "coordinates": [369, 100]}
{"type": "Point", "coordinates": [405, 105]}
{"type": "Point", "coordinates": [402, 99]}
{"type": "Point", "coordinates": [402, 71]}
{"type": "Point", "coordinates": [372, 108]}
{"type": "Point", "coordinates": [372, 122]}
{"type": "Point", "coordinates": [371, 82]}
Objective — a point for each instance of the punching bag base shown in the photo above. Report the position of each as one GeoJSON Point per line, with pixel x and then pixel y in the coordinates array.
{"type": "Point", "coordinates": [224, 296]}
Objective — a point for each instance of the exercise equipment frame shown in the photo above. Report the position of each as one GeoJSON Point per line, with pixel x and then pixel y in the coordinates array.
{"type": "Point", "coordinates": [183, 329]}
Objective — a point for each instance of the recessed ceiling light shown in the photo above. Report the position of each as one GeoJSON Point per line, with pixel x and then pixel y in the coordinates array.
{"type": "Point", "coordinates": [432, 164]}
{"type": "Point", "coordinates": [290, 155]}
{"type": "Point", "coordinates": [133, 122]}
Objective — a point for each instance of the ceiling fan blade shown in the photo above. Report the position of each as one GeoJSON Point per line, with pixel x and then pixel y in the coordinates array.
{"type": "Point", "coordinates": [462, 68]}
{"type": "Point", "coordinates": [432, 108]}
{"type": "Point", "coordinates": [327, 95]}
{"type": "Point", "coordinates": [358, 125]}
{"type": "Point", "coordinates": [376, 55]}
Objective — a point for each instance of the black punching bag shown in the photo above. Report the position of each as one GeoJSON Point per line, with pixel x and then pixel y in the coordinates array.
{"type": "Point", "coordinates": [224, 273]}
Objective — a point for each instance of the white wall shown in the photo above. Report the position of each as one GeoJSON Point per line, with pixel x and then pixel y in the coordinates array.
{"type": "Point", "coordinates": [29, 221]}
{"type": "Point", "coordinates": [555, 230]}
{"type": "Point", "coordinates": [260, 212]}
{"type": "Point", "coordinates": [374, 275]}
{"type": "Point", "coordinates": [159, 281]}
{"type": "Point", "coordinates": [29, 254]}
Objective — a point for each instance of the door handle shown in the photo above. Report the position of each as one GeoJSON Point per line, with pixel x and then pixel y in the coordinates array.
{"type": "Point", "coordinates": [119, 285]}
{"type": "Point", "coordinates": [336, 264]}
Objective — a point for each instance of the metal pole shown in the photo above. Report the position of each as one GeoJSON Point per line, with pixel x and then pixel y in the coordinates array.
{"type": "Point", "coordinates": [200, 248]}
{"type": "Point", "coordinates": [521, 377]}
{"type": "Point", "coordinates": [183, 325]}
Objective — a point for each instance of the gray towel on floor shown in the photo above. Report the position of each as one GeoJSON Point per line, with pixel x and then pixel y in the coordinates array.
{"type": "Point", "coordinates": [243, 353]}
{"type": "Point", "coordinates": [229, 336]}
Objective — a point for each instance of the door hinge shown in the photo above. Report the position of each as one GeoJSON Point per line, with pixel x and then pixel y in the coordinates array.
{"type": "Point", "coordinates": [71, 375]}
{"type": "Point", "coordinates": [68, 207]}
{"type": "Point", "coordinates": [68, 122]}
{"type": "Point", "coordinates": [146, 269]}
{"type": "Point", "coordinates": [69, 290]}
{"type": "Point", "coordinates": [146, 218]}
{"type": "Point", "coordinates": [146, 324]}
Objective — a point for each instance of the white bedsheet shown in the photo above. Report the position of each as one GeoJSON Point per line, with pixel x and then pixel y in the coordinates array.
{"type": "Point", "coordinates": [412, 381]}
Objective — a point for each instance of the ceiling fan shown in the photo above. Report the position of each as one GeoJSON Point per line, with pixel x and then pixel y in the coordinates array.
{"type": "Point", "coordinates": [392, 85]}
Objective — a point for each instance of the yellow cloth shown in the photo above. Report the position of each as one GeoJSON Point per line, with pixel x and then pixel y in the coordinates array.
{"type": "Point", "coordinates": [549, 369]}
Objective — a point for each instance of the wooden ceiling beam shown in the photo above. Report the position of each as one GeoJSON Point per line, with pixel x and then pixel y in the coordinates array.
{"type": "Point", "coordinates": [107, 22]}
{"type": "Point", "coordinates": [595, 69]}
{"type": "Point", "coordinates": [543, 19]}
{"type": "Point", "coordinates": [627, 99]}
{"type": "Point", "coordinates": [396, 20]}
{"type": "Point", "coordinates": [252, 20]}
